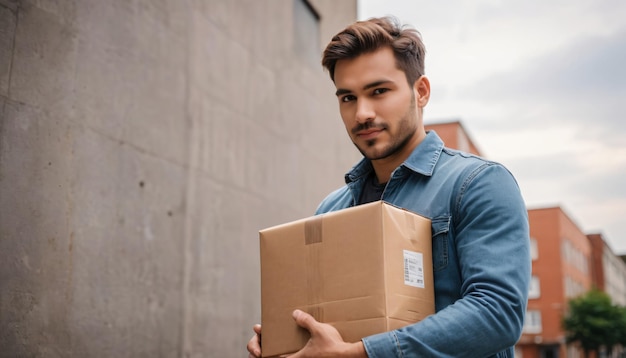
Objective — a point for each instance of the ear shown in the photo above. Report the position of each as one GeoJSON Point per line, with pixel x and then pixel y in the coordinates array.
{"type": "Point", "coordinates": [421, 88]}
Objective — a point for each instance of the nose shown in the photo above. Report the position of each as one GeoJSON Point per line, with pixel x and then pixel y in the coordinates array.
{"type": "Point", "coordinates": [364, 111]}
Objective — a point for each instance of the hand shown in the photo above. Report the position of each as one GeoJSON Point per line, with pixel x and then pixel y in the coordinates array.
{"type": "Point", "coordinates": [254, 345]}
{"type": "Point", "coordinates": [325, 340]}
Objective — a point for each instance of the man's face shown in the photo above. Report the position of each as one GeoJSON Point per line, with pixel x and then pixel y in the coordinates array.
{"type": "Point", "coordinates": [381, 112]}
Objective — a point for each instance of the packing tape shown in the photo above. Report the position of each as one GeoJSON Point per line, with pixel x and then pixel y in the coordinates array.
{"type": "Point", "coordinates": [313, 230]}
{"type": "Point", "coordinates": [313, 235]}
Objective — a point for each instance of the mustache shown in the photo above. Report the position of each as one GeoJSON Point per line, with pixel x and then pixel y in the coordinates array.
{"type": "Point", "coordinates": [367, 125]}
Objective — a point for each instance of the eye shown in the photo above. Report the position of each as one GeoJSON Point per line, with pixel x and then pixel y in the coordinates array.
{"type": "Point", "coordinates": [347, 98]}
{"type": "Point", "coordinates": [380, 90]}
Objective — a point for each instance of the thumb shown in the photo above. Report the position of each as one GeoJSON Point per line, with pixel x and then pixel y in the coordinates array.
{"type": "Point", "coordinates": [304, 320]}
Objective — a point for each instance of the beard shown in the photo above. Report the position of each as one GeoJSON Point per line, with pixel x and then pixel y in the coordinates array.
{"type": "Point", "coordinates": [407, 127]}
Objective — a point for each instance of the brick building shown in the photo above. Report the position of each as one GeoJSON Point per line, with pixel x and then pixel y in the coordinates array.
{"type": "Point", "coordinates": [454, 136]}
{"type": "Point", "coordinates": [608, 270]}
{"type": "Point", "coordinates": [561, 269]}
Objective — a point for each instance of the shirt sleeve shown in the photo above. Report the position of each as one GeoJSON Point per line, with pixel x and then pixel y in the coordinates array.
{"type": "Point", "coordinates": [491, 237]}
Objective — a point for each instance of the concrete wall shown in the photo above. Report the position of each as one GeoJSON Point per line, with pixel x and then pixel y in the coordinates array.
{"type": "Point", "coordinates": [143, 144]}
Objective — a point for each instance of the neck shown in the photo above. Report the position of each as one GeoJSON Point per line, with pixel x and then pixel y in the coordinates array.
{"type": "Point", "coordinates": [385, 166]}
{"type": "Point", "coordinates": [383, 170]}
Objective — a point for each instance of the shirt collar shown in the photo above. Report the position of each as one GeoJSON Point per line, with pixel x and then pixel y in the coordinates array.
{"type": "Point", "coordinates": [422, 160]}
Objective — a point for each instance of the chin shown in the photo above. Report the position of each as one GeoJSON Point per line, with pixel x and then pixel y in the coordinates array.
{"type": "Point", "coordinates": [375, 154]}
{"type": "Point", "coordinates": [373, 150]}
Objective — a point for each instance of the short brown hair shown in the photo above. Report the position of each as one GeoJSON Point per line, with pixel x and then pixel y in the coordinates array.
{"type": "Point", "coordinates": [368, 36]}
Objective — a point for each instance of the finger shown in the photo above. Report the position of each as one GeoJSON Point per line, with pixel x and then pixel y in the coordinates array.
{"type": "Point", "coordinates": [304, 320]}
{"type": "Point", "coordinates": [253, 346]}
{"type": "Point", "coordinates": [257, 329]}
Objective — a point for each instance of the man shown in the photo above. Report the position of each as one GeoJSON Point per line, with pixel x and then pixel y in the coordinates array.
{"type": "Point", "coordinates": [480, 233]}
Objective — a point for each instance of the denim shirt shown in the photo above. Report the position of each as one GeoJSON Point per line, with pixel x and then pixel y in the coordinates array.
{"type": "Point", "coordinates": [480, 247]}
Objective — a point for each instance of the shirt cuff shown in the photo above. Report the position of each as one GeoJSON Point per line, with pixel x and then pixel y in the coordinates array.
{"type": "Point", "coordinates": [382, 345]}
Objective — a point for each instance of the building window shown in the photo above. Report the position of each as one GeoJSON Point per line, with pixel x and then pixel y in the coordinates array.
{"type": "Point", "coordinates": [534, 252]}
{"type": "Point", "coordinates": [574, 257]}
{"type": "Point", "coordinates": [532, 322]}
{"type": "Point", "coordinates": [306, 24]}
{"type": "Point", "coordinates": [584, 264]}
{"type": "Point", "coordinates": [574, 351]}
{"type": "Point", "coordinates": [535, 290]}
{"type": "Point", "coordinates": [573, 288]}
{"type": "Point", "coordinates": [565, 251]}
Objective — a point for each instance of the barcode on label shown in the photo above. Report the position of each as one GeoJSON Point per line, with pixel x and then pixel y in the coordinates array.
{"type": "Point", "coordinates": [413, 269]}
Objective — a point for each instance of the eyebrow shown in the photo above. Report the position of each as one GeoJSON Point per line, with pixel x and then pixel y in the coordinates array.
{"type": "Point", "coordinates": [341, 91]}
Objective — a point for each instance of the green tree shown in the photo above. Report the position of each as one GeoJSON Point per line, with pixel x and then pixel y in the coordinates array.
{"type": "Point", "coordinates": [617, 330]}
{"type": "Point", "coordinates": [593, 321]}
{"type": "Point", "coordinates": [618, 336]}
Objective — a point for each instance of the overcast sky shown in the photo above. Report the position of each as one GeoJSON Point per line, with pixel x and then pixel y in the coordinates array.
{"type": "Point", "coordinates": [540, 87]}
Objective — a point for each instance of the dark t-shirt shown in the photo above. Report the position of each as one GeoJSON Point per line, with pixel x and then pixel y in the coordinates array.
{"type": "Point", "coordinates": [372, 190]}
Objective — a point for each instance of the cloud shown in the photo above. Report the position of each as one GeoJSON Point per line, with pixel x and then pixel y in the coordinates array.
{"type": "Point", "coordinates": [584, 83]}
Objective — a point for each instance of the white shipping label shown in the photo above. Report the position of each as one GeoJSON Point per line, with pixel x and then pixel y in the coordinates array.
{"type": "Point", "coordinates": [413, 269]}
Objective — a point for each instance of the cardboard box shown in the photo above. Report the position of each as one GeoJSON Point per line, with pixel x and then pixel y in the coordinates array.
{"type": "Point", "coordinates": [365, 270]}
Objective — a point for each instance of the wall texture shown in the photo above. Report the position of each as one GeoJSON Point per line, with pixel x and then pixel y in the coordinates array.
{"type": "Point", "coordinates": [143, 144]}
